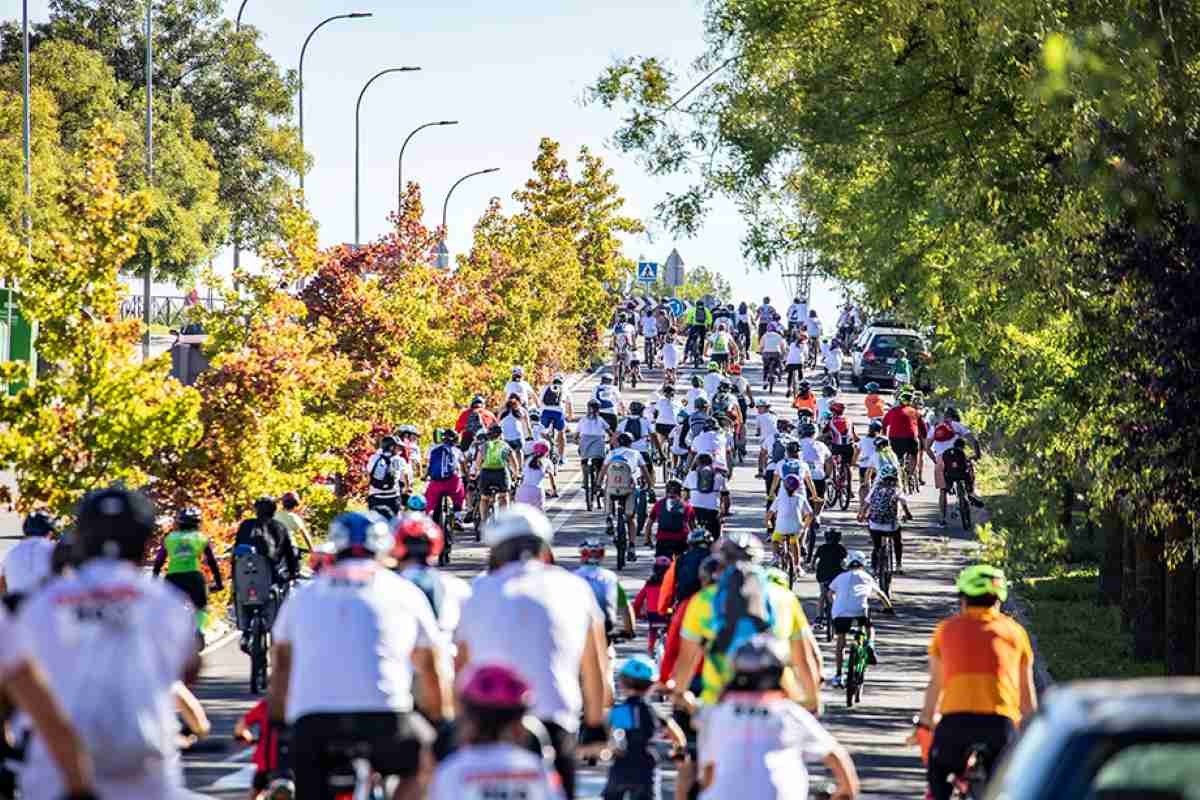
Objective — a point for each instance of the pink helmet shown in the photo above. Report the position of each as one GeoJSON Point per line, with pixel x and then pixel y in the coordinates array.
{"type": "Point", "coordinates": [541, 449]}
{"type": "Point", "coordinates": [496, 687]}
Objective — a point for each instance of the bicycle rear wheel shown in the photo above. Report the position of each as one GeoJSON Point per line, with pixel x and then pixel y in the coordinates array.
{"type": "Point", "coordinates": [587, 483]}
{"type": "Point", "coordinates": [258, 658]}
{"type": "Point", "coordinates": [851, 676]}
{"type": "Point", "coordinates": [622, 537]}
{"type": "Point", "coordinates": [964, 505]}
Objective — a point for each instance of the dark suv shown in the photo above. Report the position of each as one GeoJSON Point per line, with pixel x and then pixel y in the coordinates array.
{"type": "Point", "coordinates": [876, 353]}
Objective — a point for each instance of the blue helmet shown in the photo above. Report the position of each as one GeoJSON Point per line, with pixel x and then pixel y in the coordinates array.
{"type": "Point", "coordinates": [416, 503]}
{"type": "Point", "coordinates": [638, 668]}
{"type": "Point", "coordinates": [361, 534]}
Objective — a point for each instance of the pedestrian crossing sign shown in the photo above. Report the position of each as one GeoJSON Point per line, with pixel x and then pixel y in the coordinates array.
{"type": "Point", "coordinates": [647, 271]}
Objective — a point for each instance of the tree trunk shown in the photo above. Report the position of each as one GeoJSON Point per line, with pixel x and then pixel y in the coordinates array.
{"type": "Point", "coordinates": [1149, 642]}
{"type": "Point", "coordinates": [1114, 555]}
{"type": "Point", "coordinates": [1128, 573]}
{"type": "Point", "coordinates": [1180, 617]}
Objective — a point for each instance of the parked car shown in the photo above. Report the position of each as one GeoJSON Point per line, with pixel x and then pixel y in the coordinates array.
{"type": "Point", "coordinates": [1108, 740]}
{"type": "Point", "coordinates": [875, 353]}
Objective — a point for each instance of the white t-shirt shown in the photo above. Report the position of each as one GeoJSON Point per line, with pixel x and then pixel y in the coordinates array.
{"type": "Point", "coordinates": [609, 397]}
{"type": "Point", "coordinates": [814, 326]}
{"type": "Point", "coordinates": [766, 312]}
{"type": "Point", "coordinates": [670, 355]}
{"type": "Point", "coordinates": [823, 404]}
{"type": "Point", "coordinates": [940, 447]}
{"type": "Point", "coordinates": [532, 477]}
{"type": "Point", "coordinates": [797, 312]}
{"type": "Point", "coordinates": [27, 564]}
{"type": "Point", "coordinates": [398, 467]}
{"type": "Point", "coordinates": [757, 745]}
{"type": "Point", "coordinates": [790, 510]}
{"type": "Point", "coordinates": [628, 454]}
{"type": "Point", "coordinates": [713, 443]}
{"type": "Point", "coordinates": [69, 624]}
{"type": "Point", "coordinates": [498, 771]}
{"type": "Point", "coordinates": [592, 426]}
{"type": "Point", "coordinates": [814, 453]}
{"type": "Point", "coordinates": [692, 395]}
{"type": "Point", "coordinates": [771, 342]}
{"type": "Point", "coordinates": [833, 359]}
{"type": "Point", "coordinates": [12, 654]}
{"type": "Point", "coordinates": [767, 427]}
{"type": "Point", "coordinates": [649, 325]}
{"type": "Point", "coordinates": [642, 442]}
{"type": "Point", "coordinates": [795, 354]}
{"type": "Point", "coordinates": [852, 593]}
{"type": "Point", "coordinates": [866, 451]}
{"type": "Point", "coordinates": [712, 382]}
{"type": "Point", "coordinates": [521, 389]}
{"type": "Point", "coordinates": [623, 336]}
{"type": "Point", "coordinates": [511, 428]}
{"type": "Point", "coordinates": [666, 411]}
{"type": "Point", "coordinates": [535, 618]}
{"type": "Point", "coordinates": [362, 622]}
{"type": "Point", "coordinates": [706, 500]}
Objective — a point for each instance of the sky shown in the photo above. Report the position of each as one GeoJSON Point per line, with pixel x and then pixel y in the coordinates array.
{"type": "Point", "coordinates": [510, 73]}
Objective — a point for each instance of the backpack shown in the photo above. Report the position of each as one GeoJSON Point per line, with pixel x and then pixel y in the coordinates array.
{"type": "Point", "coordinates": [382, 478]}
{"type": "Point", "coordinates": [551, 398]}
{"type": "Point", "coordinates": [495, 454]}
{"type": "Point", "coordinates": [687, 573]}
{"type": "Point", "coordinates": [620, 478]}
{"type": "Point", "coordinates": [474, 424]}
{"type": "Point", "coordinates": [672, 515]}
{"type": "Point", "coordinates": [883, 505]}
{"type": "Point", "coordinates": [702, 316]}
{"type": "Point", "coordinates": [741, 608]}
{"type": "Point", "coordinates": [954, 464]}
{"type": "Point", "coordinates": [944, 432]}
{"type": "Point", "coordinates": [839, 430]}
{"type": "Point", "coordinates": [778, 449]}
{"type": "Point", "coordinates": [697, 421]}
{"type": "Point", "coordinates": [441, 463]}
{"type": "Point", "coordinates": [633, 426]}
{"type": "Point", "coordinates": [722, 403]}
{"type": "Point", "coordinates": [706, 479]}
{"type": "Point", "coordinates": [791, 466]}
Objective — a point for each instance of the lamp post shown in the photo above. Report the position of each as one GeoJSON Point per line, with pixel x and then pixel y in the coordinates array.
{"type": "Point", "coordinates": [443, 252]}
{"type": "Point", "coordinates": [400, 160]}
{"type": "Point", "coordinates": [357, 109]}
{"type": "Point", "coordinates": [146, 281]}
{"type": "Point", "coordinates": [303, 48]}
{"type": "Point", "coordinates": [238, 24]}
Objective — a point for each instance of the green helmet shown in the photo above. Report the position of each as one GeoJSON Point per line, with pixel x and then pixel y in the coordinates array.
{"type": "Point", "coordinates": [981, 579]}
{"type": "Point", "coordinates": [778, 577]}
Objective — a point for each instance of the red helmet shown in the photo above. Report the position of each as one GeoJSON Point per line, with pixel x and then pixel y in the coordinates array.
{"type": "Point", "coordinates": [541, 449]}
{"type": "Point", "coordinates": [735, 369]}
{"type": "Point", "coordinates": [837, 408]}
{"type": "Point", "coordinates": [496, 688]}
{"type": "Point", "coordinates": [321, 557]}
{"type": "Point", "coordinates": [411, 528]}
{"type": "Point", "coordinates": [591, 551]}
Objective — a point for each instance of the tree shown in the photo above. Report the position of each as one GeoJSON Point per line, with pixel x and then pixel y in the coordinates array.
{"type": "Point", "coordinates": [697, 282]}
{"type": "Point", "coordinates": [97, 415]}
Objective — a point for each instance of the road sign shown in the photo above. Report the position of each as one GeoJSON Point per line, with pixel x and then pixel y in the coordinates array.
{"type": "Point", "coordinates": [677, 307]}
{"type": "Point", "coordinates": [647, 271]}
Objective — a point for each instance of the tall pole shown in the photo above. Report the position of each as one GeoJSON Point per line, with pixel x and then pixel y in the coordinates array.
{"type": "Point", "coordinates": [237, 249]}
{"type": "Point", "coordinates": [26, 140]}
{"type": "Point", "coordinates": [446, 202]}
{"type": "Point", "coordinates": [238, 24]}
{"type": "Point", "coordinates": [149, 169]}
{"type": "Point", "coordinates": [357, 109]}
{"type": "Point", "coordinates": [400, 160]}
{"type": "Point", "coordinates": [303, 49]}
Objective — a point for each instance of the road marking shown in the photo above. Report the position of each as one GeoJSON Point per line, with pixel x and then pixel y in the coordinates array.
{"type": "Point", "coordinates": [219, 643]}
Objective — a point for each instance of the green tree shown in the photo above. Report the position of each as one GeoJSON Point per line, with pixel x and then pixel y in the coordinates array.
{"type": "Point", "coordinates": [697, 282]}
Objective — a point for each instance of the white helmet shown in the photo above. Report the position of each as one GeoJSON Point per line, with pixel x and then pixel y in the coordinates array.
{"type": "Point", "coordinates": [518, 372]}
{"type": "Point", "coordinates": [854, 557]}
{"type": "Point", "coordinates": [741, 546]}
{"type": "Point", "coordinates": [519, 519]}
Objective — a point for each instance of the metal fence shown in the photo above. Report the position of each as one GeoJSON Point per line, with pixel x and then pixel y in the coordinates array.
{"type": "Point", "coordinates": [169, 311]}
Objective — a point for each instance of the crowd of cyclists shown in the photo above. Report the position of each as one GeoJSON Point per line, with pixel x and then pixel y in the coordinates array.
{"type": "Point", "coordinates": [384, 665]}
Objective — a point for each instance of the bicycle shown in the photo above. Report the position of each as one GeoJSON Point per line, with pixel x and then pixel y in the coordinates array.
{"type": "Point", "coordinates": [256, 600]}
{"type": "Point", "coordinates": [856, 665]}
{"type": "Point", "coordinates": [619, 368]}
{"type": "Point", "coordinates": [643, 501]}
{"type": "Point", "coordinates": [884, 563]}
{"type": "Point", "coordinates": [620, 529]}
{"type": "Point", "coordinates": [651, 345]}
{"type": "Point", "coordinates": [444, 516]}
{"type": "Point", "coordinates": [825, 612]}
{"type": "Point", "coordinates": [908, 470]}
{"type": "Point", "coordinates": [963, 502]}
{"type": "Point", "coordinates": [971, 783]}
{"type": "Point", "coordinates": [841, 486]}
{"type": "Point", "coordinates": [771, 372]}
{"type": "Point", "coordinates": [635, 373]}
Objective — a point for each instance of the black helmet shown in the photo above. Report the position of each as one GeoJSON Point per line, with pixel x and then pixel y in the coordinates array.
{"type": "Point", "coordinates": [114, 523]}
{"type": "Point", "coordinates": [696, 382]}
{"type": "Point", "coordinates": [476, 401]}
{"type": "Point", "coordinates": [593, 405]}
{"type": "Point", "coordinates": [668, 390]}
{"type": "Point", "coordinates": [624, 440]}
{"type": "Point", "coordinates": [709, 568]}
{"type": "Point", "coordinates": [606, 378]}
{"type": "Point", "coordinates": [188, 518]}
{"type": "Point", "coordinates": [701, 403]}
{"type": "Point", "coordinates": [39, 523]}
{"type": "Point", "coordinates": [807, 430]}
{"type": "Point", "coordinates": [495, 431]}
{"type": "Point", "coordinates": [803, 386]}
{"type": "Point", "coordinates": [793, 448]}
{"type": "Point", "coordinates": [387, 443]}
{"type": "Point", "coordinates": [265, 506]}
{"type": "Point", "coordinates": [875, 427]}
{"type": "Point", "coordinates": [833, 535]}
{"type": "Point", "coordinates": [674, 487]}
{"type": "Point", "coordinates": [637, 408]}
{"type": "Point", "coordinates": [450, 436]}
{"type": "Point", "coordinates": [952, 413]}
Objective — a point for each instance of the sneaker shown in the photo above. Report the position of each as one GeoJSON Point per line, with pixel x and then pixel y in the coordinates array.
{"type": "Point", "coordinates": [632, 554]}
{"type": "Point", "coordinates": [836, 682]}
{"type": "Point", "coordinates": [244, 644]}
{"type": "Point", "coordinates": [759, 475]}
{"type": "Point", "coordinates": [975, 501]}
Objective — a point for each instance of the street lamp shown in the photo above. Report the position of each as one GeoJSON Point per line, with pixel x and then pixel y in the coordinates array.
{"type": "Point", "coordinates": [443, 252]}
{"type": "Point", "coordinates": [322, 24]}
{"type": "Point", "coordinates": [146, 281]}
{"type": "Point", "coordinates": [357, 109]}
{"type": "Point", "coordinates": [238, 25]}
{"type": "Point", "coordinates": [400, 160]}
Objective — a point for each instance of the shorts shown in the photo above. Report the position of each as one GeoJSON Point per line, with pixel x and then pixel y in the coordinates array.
{"type": "Point", "coordinates": [394, 742]}
{"type": "Point", "coordinates": [941, 480]}
{"type": "Point", "coordinates": [392, 504]}
{"type": "Point", "coordinates": [193, 585]}
{"type": "Point", "coordinates": [846, 624]}
{"type": "Point", "coordinates": [862, 474]}
{"type": "Point", "coordinates": [451, 487]}
{"type": "Point", "coordinates": [953, 738]}
{"type": "Point", "coordinates": [553, 420]}
{"type": "Point", "coordinates": [669, 547]}
{"type": "Point", "coordinates": [710, 520]}
{"type": "Point", "coordinates": [779, 536]}
{"type": "Point", "coordinates": [493, 481]}
{"type": "Point", "coordinates": [721, 358]}
{"type": "Point", "coordinates": [262, 779]}
{"type": "Point", "coordinates": [904, 447]}
{"type": "Point", "coordinates": [611, 418]}
{"type": "Point", "coordinates": [663, 430]}
{"type": "Point", "coordinates": [845, 451]}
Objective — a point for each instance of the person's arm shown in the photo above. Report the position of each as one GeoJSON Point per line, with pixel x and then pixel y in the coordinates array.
{"type": "Point", "coordinates": [433, 687]}
{"type": "Point", "coordinates": [842, 767]}
{"type": "Point", "coordinates": [806, 663]}
{"type": "Point", "coordinates": [933, 693]}
{"type": "Point", "coordinates": [674, 733]}
{"type": "Point", "coordinates": [160, 559]}
{"type": "Point", "coordinates": [190, 709]}
{"type": "Point", "coordinates": [1029, 700]}
{"type": "Point", "coordinates": [281, 675]}
{"type": "Point", "coordinates": [27, 686]}
{"type": "Point", "coordinates": [214, 566]}
{"type": "Point", "coordinates": [691, 653]}
{"type": "Point", "coordinates": [597, 695]}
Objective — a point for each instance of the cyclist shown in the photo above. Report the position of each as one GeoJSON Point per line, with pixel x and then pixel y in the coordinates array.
{"type": "Point", "coordinates": [610, 400]}
{"type": "Point", "coordinates": [819, 459]}
{"type": "Point", "coordinates": [473, 420]}
{"type": "Point", "coordinates": [517, 385]}
{"type": "Point", "coordinates": [594, 433]}
{"type": "Point", "coordinates": [557, 411]}
{"type": "Point", "coordinates": [833, 359]}
{"type": "Point", "coordinates": [696, 320]}
{"type": "Point", "coordinates": [496, 462]}
{"type": "Point", "coordinates": [791, 464]}
{"type": "Point", "coordinates": [674, 517]}
{"type": "Point", "coordinates": [741, 390]}
{"type": "Point", "coordinates": [789, 518]}
{"type": "Point", "coordinates": [695, 395]}
{"type": "Point", "coordinates": [446, 467]}
{"type": "Point", "coordinates": [670, 356]}
{"type": "Point", "coordinates": [646, 603]}
{"type": "Point", "coordinates": [649, 330]}
{"type": "Point", "coordinates": [902, 370]}
{"type": "Point", "coordinates": [865, 458]}
{"type": "Point", "coordinates": [640, 432]}
{"type": "Point", "coordinates": [722, 346]}
{"type": "Point", "coordinates": [813, 328]}
{"type": "Point", "coordinates": [794, 361]}
{"type": "Point", "coordinates": [409, 442]}
{"type": "Point", "coordinates": [852, 592]}
{"type": "Point", "coordinates": [743, 326]}
{"type": "Point", "coordinates": [291, 519]}
{"type": "Point", "coordinates": [545, 623]}
{"type": "Point", "coordinates": [945, 437]}
{"type": "Point", "coordinates": [27, 564]}
{"type": "Point", "coordinates": [679, 441]}
{"type": "Point", "coordinates": [881, 513]}
{"type": "Point", "coordinates": [765, 316]}
{"type": "Point", "coordinates": [828, 394]}
{"type": "Point", "coordinates": [664, 412]}
{"type": "Point", "coordinates": [619, 474]}
{"type": "Point", "coordinates": [635, 724]}
{"type": "Point", "coordinates": [377, 632]}
{"type": "Point", "coordinates": [536, 469]}
{"type": "Point", "coordinates": [797, 313]}
{"type": "Point", "coordinates": [875, 404]}
{"type": "Point", "coordinates": [113, 644]}
{"type": "Point", "coordinates": [805, 400]}
{"type": "Point", "coordinates": [270, 539]}
{"type": "Point", "coordinates": [771, 347]}
{"type": "Point", "coordinates": [980, 679]}
{"type": "Point", "coordinates": [774, 734]}
{"type": "Point", "coordinates": [713, 379]}
{"type": "Point", "coordinates": [830, 557]}
{"type": "Point", "coordinates": [494, 759]}
{"type": "Point", "coordinates": [385, 470]}
{"type": "Point", "coordinates": [624, 339]}
{"type": "Point", "coordinates": [703, 487]}
{"type": "Point", "coordinates": [514, 424]}
{"type": "Point", "coordinates": [610, 594]}
{"type": "Point", "coordinates": [905, 429]}
{"type": "Point", "coordinates": [181, 551]}
{"type": "Point", "coordinates": [768, 426]}
{"type": "Point", "coordinates": [418, 542]}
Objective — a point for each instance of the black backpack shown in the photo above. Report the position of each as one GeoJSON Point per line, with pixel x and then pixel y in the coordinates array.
{"type": "Point", "coordinates": [263, 542]}
{"type": "Point", "coordinates": [778, 449]}
{"type": "Point", "coordinates": [687, 572]}
{"type": "Point", "coordinates": [387, 481]}
{"type": "Point", "coordinates": [701, 314]}
{"type": "Point", "coordinates": [474, 424]}
{"type": "Point", "coordinates": [706, 480]}
{"type": "Point", "coordinates": [551, 398]}
{"type": "Point", "coordinates": [633, 426]}
{"type": "Point", "coordinates": [672, 516]}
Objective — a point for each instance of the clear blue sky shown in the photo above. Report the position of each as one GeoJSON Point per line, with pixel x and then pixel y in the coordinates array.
{"type": "Point", "coordinates": [510, 73]}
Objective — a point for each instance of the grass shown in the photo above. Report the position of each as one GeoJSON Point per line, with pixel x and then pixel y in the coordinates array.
{"type": "Point", "coordinates": [1077, 637]}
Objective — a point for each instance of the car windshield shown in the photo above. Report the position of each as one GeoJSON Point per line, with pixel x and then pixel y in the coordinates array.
{"type": "Point", "coordinates": [1150, 770]}
{"type": "Point", "coordinates": [885, 345]}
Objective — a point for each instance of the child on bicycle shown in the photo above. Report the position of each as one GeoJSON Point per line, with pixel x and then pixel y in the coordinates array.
{"type": "Point", "coordinates": [852, 592]}
{"type": "Point", "coordinates": [830, 557]}
{"type": "Point", "coordinates": [790, 516]}
{"type": "Point", "coordinates": [635, 723]}
{"type": "Point", "coordinates": [646, 603]}
{"type": "Point", "coordinates": [880, 511]}
{"type": "Point", "coordinates": [255, 728]}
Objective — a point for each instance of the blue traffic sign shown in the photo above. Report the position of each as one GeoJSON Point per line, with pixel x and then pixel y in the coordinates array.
{"type": "Point", "coordinates": [647, 271]}
{"type": "Point", "coordinates": [677, 307]}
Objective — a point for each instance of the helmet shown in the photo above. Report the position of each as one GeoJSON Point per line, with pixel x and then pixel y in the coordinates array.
{"type": "Point", "coordinates": [591, 551]}
{"type": "Point", "coordinates": [872, 387]}
{"type": "Point", "coordinates": [887, 470]}
{"type": "Point", "coordinates": [662, 564]}
{"type": "Point", "coordinates": [763, 403]}
{"type": "Point", "coordinates": [558, 378]}
{"type": "Point", "coordinates": [606, 378]}
{"type": "Point", "coordinates": [855, 557]}
{"type": "Point", "coordinates": [701, 403]}
{"type": "Point", "coordinates": [828, 391]}
{"type": "Point", "coordinates": [791, 483]}
{"type": "Point", "coordinates": [978, 580]}
{"type": "Point", "coordinates": [289, 500]}
{"type": "Point", "coordinates": [322, 556]}
{"type": "Point", "coordinates": [416, 534]}
{"type": "Point", "coordinates": [636, 408]}
{"type": "Point", "coordinates": [187, 519]}
{"type": "Point", "coordinates": [875, 427]}
{"type": "Point", "coordinates": [766, 301]}
{"type": "Point", "coordinates": [360, 534]}
{"type": "Point", "coordinates": [778, 577]}
{"type": "Point", "coordinates": [741, 546]}
{"type": "Point", "coordinates": [593, 405]}
{"type": "Point", "coordinates": [837, 408]}
{"type": "Point", "coordinates": [518, 372]}
{"type": "Point", "coordinates": [40, 523]}
{"type": "Point", "coordinates": [761, 653]}
{"type": "Point", "coordinates": [624, 440]}
{"type": "Point", "coordinates": [697, 382]}
{"type": "Point", "coordinates": [803, 386]}
{"type": "Point", "coordinates": [518, 520]}
{"type": "Point", "coordinates": [281, 789]}
{"type": "Point", "coordinates": [668, 390]}
{"type": "Point", "coordinates": [387, 443]}
{"type": "Point", "coordinates": [497, 688]}
{"type": "Point", "coordinates": [450, 436]}
{"type": "Point", "coordinates": [793, 448]}
{"type": "Point", "coordinates": [495, 431]}
{"type": "Point", "coordinates": [674, 487]}
{"type": "Point", "coordinates": [714, 366]}
{"type": "Point", "coordinates": [833, 535]}
{"type": "Point", "coordinates": [952, 414]}
{"type": "Point", "coordinates": [725, 386]}
{"type": "Point", "coordinates": [476, 401]}
{"type": "Point", "coordinates": [784, 425]}
{"type": "Point", "coordinates": [265, 506]}
{"type": "Point", "coordinates": [709, 568]}
{"type": "Point", "coordinates": [735, 369]}
{"type": "Point", "coordinates": [806, 430]}
{"type": "Point", "coordinates": [534, 415]}
{"type": "Point", "coordinates": [540, 449]}
{"type": "Point", "coordinates": [637, 669]}
{"type": "Point", "coordinates": [407, 430]}
{"type": "Point", "coordinates": [697, 536]}
{"type": "Point", "coordinates": [416, 503]}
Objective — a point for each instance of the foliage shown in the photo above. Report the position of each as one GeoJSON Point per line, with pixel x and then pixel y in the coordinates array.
{"type": "Point", "coordinates": [96, 415]}
{"type": "Point", "coordinates": [697, 282]}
